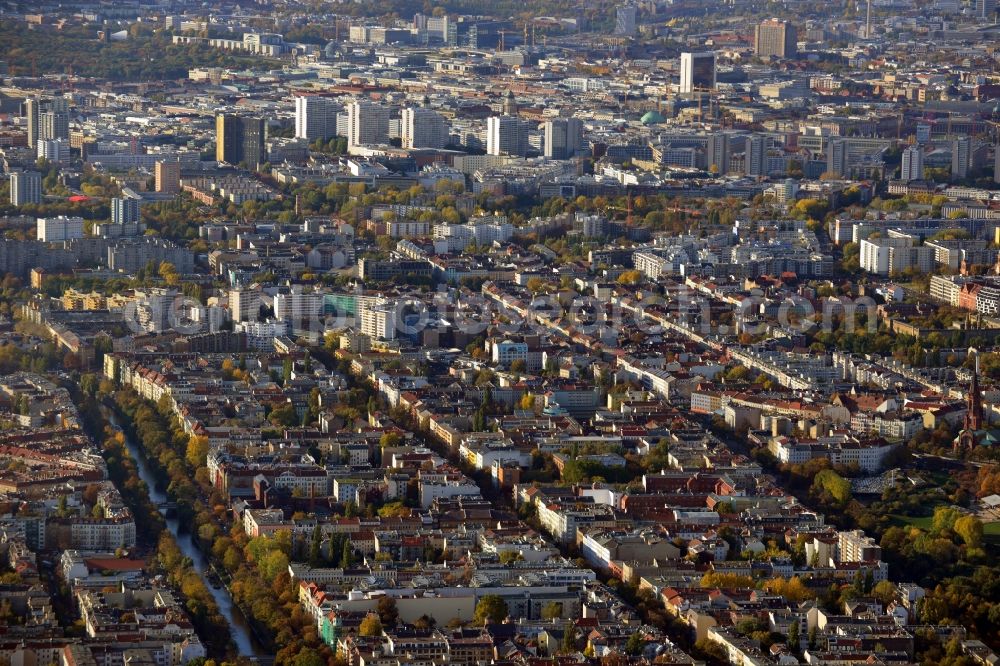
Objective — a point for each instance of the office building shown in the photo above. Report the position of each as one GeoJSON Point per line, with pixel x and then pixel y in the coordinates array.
{"type": "Point", "coordinates": [124, 210]}
{"type": "Point", "coordinates": [54, 125]}
{"type": "Point", "coordinates": [913, 164]}
{"type": "Point", "coordinates": [986, 10]}
{"type": "Point", "coordinates": [996, 163]}
{"type": "Point", "coordinates": [58, 229]}
{"type": "Point", "coordinates": [961, 152]}
{"type": "Point", "coordinates": [315, 118]}
{"type": "Point", "coordinates": [53, 150]}
{"type": "Point", "coordinates": [836, 157]}
{"type": "Point", "coordinates": [59, 104]}
{"type": "Point", "coordinates": [717, 153]}
{"type": "Point", "coordinates": [625, 20]}
{"type": "Point", "coordinates": [168, 176]}
{"type": "Point", "coordinates": [755, 156]}
{"type": "Point", "coordinates": [25, 188]}
{"type": "Point", "coordinates": [506, 135]}
{"type": "Point", "coordinates": [775, 38]}
{"type": "Point", "coordinates": [368, 124]}
{"type": "Point", "coordinates": [240, 140]}
{"type": "Point", "coordinates": [423, 128]}
{"type": "Point", "coordinates": [33, 113]}
{"type": "Point", "coordinates": [563, 138]}
{"type": "Point", "coordinates": [442, 28]}
{"type": "Point", "coordinates": [697, 72]}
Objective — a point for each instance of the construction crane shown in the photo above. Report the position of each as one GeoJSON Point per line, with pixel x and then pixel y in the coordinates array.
{"type": "Point", "coordinates": [628, 206]}
{"type": "Point", "coordinates": [628, 87]}
{"type": "Point", "coordinates": [701, 91]}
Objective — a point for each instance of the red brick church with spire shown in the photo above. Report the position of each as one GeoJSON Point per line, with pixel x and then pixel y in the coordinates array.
{"type": "Point", "coordinates": [973, 430]}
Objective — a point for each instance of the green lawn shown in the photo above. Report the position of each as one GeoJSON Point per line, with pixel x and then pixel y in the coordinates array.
{"type": "Point", "coordinates": [923, 522]}
{"type": "Point", "coordinates": [991, 533]}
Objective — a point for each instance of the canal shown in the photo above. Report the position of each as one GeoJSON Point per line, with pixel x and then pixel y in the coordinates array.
{"type": "Point", "coordinates": [243, 636]}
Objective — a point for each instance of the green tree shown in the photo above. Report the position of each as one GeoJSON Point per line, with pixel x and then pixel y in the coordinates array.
{"type": "Point", "coordinates": [387, 611]}
{"type": "Point", "coordinates": [970, 530]}
{"type": "Point", "coordinates": [630, 277]}
{"type": "Point", "coordinates": [831, 483]}
{"type": "Point", "coordinates": [346, 556]}
{"type": "Point", "coordinates": [813, 209]}
{"type": "Point", "coordinates": [552, 611]}
{"type": "Point", "coordinates": [284, 415]}
{"type": "Point", "coordinates": [479, 420]}
{"type": "Point", "coordinates": [169, 274]}
{"type": "Point", "coordinates": [945, 518]}
{"type": "Point", "coordinates": [793, 635]}
{"type": "Point", "coordinates": [390, 439]}
{"type": "Point", "coordinates": [635, 644]}
{"type": "Point", "coordinates": [569, 638]}
{"type": "Point", "coordinates": [307, 656]}
{"type": "Point", "coordinates": [491, 609]}
{"type": "Point", "coordinates": [315, 547]}
{"type": "Point", "coordinates": [197, 451]}
{"type": "Point", "coordinates": [884, 591]}
{"type": "Point", "coordinates": [370, 626]}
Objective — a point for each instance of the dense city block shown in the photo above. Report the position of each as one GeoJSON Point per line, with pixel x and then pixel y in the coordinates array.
{"type": "Point", "coordinates": [473, 333]}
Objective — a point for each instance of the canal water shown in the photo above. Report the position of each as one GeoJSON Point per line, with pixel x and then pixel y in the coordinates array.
{"type": "Point", "coordinates": [243, 637]}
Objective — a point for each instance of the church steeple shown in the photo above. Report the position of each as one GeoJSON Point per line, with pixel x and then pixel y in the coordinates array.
{"type": "Point", "coordinates": [974, 415]}
{"type": "Point", "coordinates": [969, 437]}
{"type": "Point", "coordinates": [509, 104]}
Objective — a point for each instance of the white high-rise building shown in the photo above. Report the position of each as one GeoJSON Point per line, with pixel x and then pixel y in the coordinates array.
{"type": "Point", "coordinates": [124, 210]}
{"type": "Point", "coordinates": [913, 164]}
{"type": "Point", "coordinates": [423, 128]}
{"type": "Point", "coordinates": [836, 157]}
{"type": "Point", "coordinates": [378, 320]}
{"type": "Point", "coordinates": [563, 138]}
{"type": "Point", "coordinates": [244, 304]}
{"type": "Point", "coordinates": [697, 72]}
{"type": "Point", "coordinates": [755, 156]}
{"type": "Point", "coordinates": [717, 153]}
{"type": "Point", "coordinates": [58, 229]}
{"type": "Point", "coordinates": [506, 135]}
{"type": "Point", "coordinates": [157, 309]}
{"type": "Point", "coordinates": [315, 118]}
{"type": "Point", "coordinates": [368, 124]}
{"type": "Point", "coordinates": [298, 307]}
{"type": "Point", "coordinates": [25, 187]}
